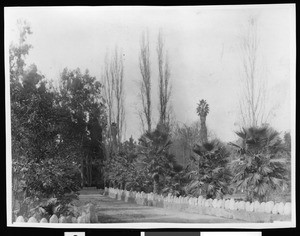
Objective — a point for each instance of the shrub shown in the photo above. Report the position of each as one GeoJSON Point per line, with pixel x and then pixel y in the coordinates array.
{"type": "Point", "coordinates": [260, 167]}
{"type": "Point", "coordinates": [211, 178]}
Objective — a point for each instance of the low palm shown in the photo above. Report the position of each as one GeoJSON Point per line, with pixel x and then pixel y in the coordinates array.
{"type": "Point", "coordinates": [154, 157]}
{"type": "Point", "coordinates": [212, 176]}
{"type": "Point", "coordinates": [260, 167]}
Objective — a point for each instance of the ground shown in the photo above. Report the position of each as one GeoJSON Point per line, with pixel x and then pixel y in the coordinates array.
{"type": "Point", "coordinates": [114, 211]}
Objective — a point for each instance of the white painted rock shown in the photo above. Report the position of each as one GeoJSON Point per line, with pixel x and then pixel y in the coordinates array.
{"type": "Point", "coordinates": [92, 213]}
{"type": "Point", "coordinates": [44, 220]}
{"type": "Point", "coordinates": [247, 205]}
{"type": "Point", "coordinates": [208, 203]}
{"type": "Point", "coordinates": [251, 207]}
{"type": "Point", "coordinates": [241, 205]}
{"type": "Point", "coordinates": [88, 218]}
{"type": "Point", "coordinates": [220, 202]}
{"type": "Point", "coordinates": [200, 198]}
{"type": "Point", "coordinates": [53, 219]}
{"type": "Point", "coordinates": [269, 206]}
{"type": "Point", "coordinates": [280, 208]}
{"type": "Point", "coordinates": [287, 208]}
{"type": "Point", "coordinates": [275, 209]}
{"type": "Point", "coordinates": [223, 203]}
{"type": "Point", "coordinates": [69, 219]}
{"type": "Point", "coordinates": [62, 219]}
{"type": "Point", "coordinates": [231, 204]}
{"type": "Point", "coordinates": [236, 205]}
{"type": "Point", "coordinates": [262, 207]}
{"type": "Point", "coordinates": [20, 219]}
{"type": "Point", "coordinates": [214, 203]}
{"type": "Point", "coordinates": [32, 220]}
{"type": "Point", "coordinates": [256, 206]}
{"type": "Point", "coordinates": [195, 200]}
{"type": "Point", "coordinates": [81, 219]}
{"type": "Point", "coordinates": [227, 204]}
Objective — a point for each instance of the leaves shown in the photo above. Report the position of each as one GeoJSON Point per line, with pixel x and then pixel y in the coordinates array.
{"type": "Point", "coordinates": [48, 126]}
{"type": "Point", "coordinates": [212, 176]}
{"type": "Point", "coordinates": [260, 166]}
{"type": "Point", "coordinates": [203, 108]}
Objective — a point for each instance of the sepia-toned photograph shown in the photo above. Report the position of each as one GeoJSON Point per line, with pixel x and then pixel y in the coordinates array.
{"type": "Point", "coordinates": [150, 117]}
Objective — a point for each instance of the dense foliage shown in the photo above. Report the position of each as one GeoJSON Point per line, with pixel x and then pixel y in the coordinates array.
{"type": "Point", "coordinates": [82, 119]}
{"type": "Point", "coordinates": [145, 166]}
{"type": "Point", "coordinates": [212, 177]}
{"type": "Point", "coordinates": [120, 167]}
{"type": "Point", "coordinates": [154, 157]}
{"type": "Point", "coordinates": [260, 168]}
{"type": "Point", "coordinates": [56, 134]}
{"type": "Point", "coordinates": [59, 146]}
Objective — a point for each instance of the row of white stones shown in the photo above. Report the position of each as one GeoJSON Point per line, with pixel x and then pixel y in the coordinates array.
{"type": "Point", "coordinates": [54, 219]}
{"type": "Point", "coordinates": [230, 204]}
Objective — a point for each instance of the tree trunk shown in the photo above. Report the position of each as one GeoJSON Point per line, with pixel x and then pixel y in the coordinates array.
{"type": "Point", "coordinates": [82, 173]}
{"type": "Point", "coordinates": [203, 129]}
{"type": "Point", "coordinates": [90, 172]}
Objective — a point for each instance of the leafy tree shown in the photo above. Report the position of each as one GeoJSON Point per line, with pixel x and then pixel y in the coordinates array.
{"type": "Point", "coordinates": [121, 167]}
{"type": "Point", "coordinates": [34, 135]}
{"type": "Point", "coordinates": [18, 52]}
{"type": "Point", "coordinates": [260, 167]}
{"type": "Point", "coordinates": [82, 120]}
{"type": "Point", "coordinates": [47, 128]}
{"type": "Point", "coordinates": [212, 177]}
{"type": "Point", "coordinates": [40, 170]}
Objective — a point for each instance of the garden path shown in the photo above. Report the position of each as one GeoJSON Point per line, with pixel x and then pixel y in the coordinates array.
{"type": "Point", "coordinates": [114, 211]}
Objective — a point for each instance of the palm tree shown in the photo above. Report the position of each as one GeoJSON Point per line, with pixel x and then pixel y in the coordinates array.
{"type": "Point", "coordinates": [203, 110]}
{"type": "Point", "coordinates": [155, 159]}
{"type": "Point", "coordinates": [261, 164]}
{"type": "Point", "coordinates": [212, 179]}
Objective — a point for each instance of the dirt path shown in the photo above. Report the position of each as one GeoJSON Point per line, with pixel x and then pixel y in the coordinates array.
{"type": "Point", "coordinates": [113, 211]}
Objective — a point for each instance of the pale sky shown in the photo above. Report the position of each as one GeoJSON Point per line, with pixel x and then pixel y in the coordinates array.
{"type": "Point", "coordinates": [203, 47]}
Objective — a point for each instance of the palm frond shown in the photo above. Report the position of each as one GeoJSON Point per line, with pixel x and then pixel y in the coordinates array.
{"type": "Point", "coordinates": [235, 145]}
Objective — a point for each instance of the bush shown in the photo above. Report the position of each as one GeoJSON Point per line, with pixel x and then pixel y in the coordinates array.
{"type": "Point", "coordinates": [260, 168]}
{"type": "Point", "coordinates": [48, 179]}
{"type": "Point", "coordinates": [211, 178]}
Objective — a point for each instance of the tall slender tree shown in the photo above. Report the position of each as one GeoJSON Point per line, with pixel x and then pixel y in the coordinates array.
{"type": "Point", "coordinates": [113, 80]}
{"type": "Point", "coordinates": [253, 99]}
{"type": "Point", "coordinates": [164, 81]}
{"type": "Point", "coordinates": [145, 83]}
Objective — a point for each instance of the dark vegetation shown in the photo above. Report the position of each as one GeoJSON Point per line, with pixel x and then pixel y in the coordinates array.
{"type": "Point", "coordinates": [59, 146]}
